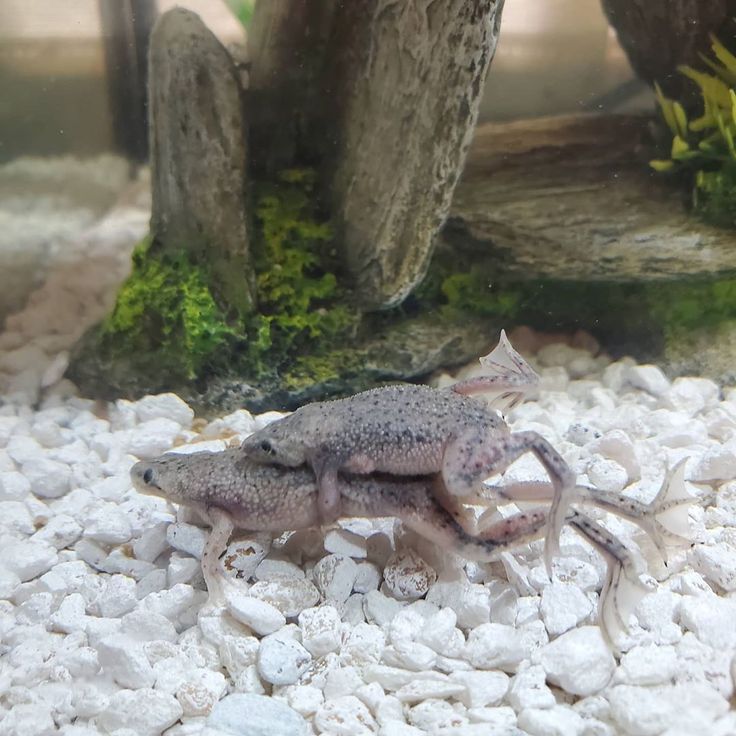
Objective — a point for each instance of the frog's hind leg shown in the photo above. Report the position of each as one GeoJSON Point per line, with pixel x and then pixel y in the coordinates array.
{"type": "Point", "coordinates": [665, 519]}
{"type": "Point", "coordinates": [623, 587]}
{"type": "Point", "coordinates": [472, 457]}
{"type": "Point", "coordinates": [429, 518]}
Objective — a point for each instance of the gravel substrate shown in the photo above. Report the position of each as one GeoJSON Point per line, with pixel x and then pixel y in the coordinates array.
{"type": "Point", "coordinates": [359, 629]}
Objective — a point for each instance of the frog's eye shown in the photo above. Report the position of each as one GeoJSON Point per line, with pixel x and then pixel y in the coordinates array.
{"type": "Point", "coordinates": [148, 476]}
{"type": "Point", "coordinates": [266, 446]}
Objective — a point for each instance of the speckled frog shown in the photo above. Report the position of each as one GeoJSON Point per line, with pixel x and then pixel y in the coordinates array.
{"type": "Point", "coordinates": [417, 430]}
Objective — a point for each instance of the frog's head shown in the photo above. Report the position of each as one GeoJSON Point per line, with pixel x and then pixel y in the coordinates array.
{"type": "Point", "coordinates": [280, 443]}
{"type": "Point", "coordinates": [168, 476]}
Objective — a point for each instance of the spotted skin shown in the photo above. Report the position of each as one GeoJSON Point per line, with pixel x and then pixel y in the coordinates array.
{"type": "Point", "coordinates": [409, 430]}
{"type": "Point", "coordinates": [233, 491]}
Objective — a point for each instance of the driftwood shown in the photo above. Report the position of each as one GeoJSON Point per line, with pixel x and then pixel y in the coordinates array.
{"type": "Point", "coordinates": [573, 198]}
{"type": "Point", "coordinates": [384, 94]}
{"type": "Point", "coordinates": [199, 154]}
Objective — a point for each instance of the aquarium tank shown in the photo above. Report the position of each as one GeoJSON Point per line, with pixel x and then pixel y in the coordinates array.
{"type": "Point", "coordinates": [367, 367]}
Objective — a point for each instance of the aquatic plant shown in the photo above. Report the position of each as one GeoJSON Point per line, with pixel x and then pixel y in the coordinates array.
{"type": "Point", "coordinates": [703, 149]}
{"type": "Point", "coordinates": [243, 10]}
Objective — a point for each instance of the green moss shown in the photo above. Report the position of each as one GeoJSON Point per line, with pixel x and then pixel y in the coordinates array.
{"type": "Point", "coordinates": [320, 369]}
{"type": "Point", "coordinates": [167, 309]}
{"type": "Point", "coordinates": [243, 10]}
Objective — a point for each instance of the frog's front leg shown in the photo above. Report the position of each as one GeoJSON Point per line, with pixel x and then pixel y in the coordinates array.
{"type": "Point", "coordinates": [329, 504]}
{"type": "Point", "coordinates": [222, 528]}
{"type": "Point", "coordinates": [473, 456]}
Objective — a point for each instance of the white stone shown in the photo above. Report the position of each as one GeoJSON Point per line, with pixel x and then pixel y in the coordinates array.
{"type": "Point", "coordinates": [563, 607]}
{"type": "Point", "coordinates": [607, 475]}
{"type": "Point", "coordinates": [471, 602]}
{"type": "Point", "coordinates": [28, 719]}
{"type": "Point", "coordinates": [14, 517]}
{"type": "Point", "coordinates": [240, 422]}
{"type": "Point", "coordinates": [433, 716]}
{"type": "Point", "coordinates": [289, 595]}
{"type": "Point", "coordinates": [717, 463]}
{"type": "Point", "coordinates": [321, 630]}
{"type": "Point", "coordinates": [346, 543]}
{"type": "Point", "coordinates": [183, 570]}
{"type": "Point", "coordinates": [368, 577]}
{"type": "Point", "coordinates": [616, 445]}
{"type": "Point", "coordinates": [242, 557]}
{"type": "Point", "coordinates": [264, 716]}
{"type": "Point", "coordinates": [344, 716]}
{"type": "Point", "coordinates": [144, 712]}
{"type": "Point", "coordinates": [579, 661]}
{"type": "Point", "coordinates": [560, 720]}
{"type": "Point", "coordinates": [187, 538]}
{"type": "Point", "coordinates": [305, 699]}
{"type": "Point", "coordinates": [28, 559]}
{"type": "Point", "coordinates": [693, 394]}
{"type": "Point", "coordinates": [152, 438]}
{"type": "Point", "coordinates": [123, 658]}
{"type": "Point", "coordinates": [495, 646]}
{"type": "Point", "coordinates": [167, 406]}
{"type": "Point", "coordinates": [407, 575]}
{"type": "Point", "coordinates": [174, 602]}
{"type": "Point", "coordinates": [119, 597]}
{"type": "Point", "coordinates": [717, 563]}
{"type": "Point", "coordinates": [648, 378]}
{"type": "Point", "coordinates": [363, 644]}
{"type": "Point", "coordinates": [271, 568]}
{"type": "Point", "coordinates": [711, 619]}
{"type": "Point", "coordinates": [61, 531]}
{"type": "Point", "coordinates": [648, 711]}
{"type": "Point", "coordinates": [648, 665]}
{"type": "Point", "coordinates": [341, 681]}
{"type": "Point", "coordinates": [281, 660]}
{"type": "Point", "coordinates": [48, 478]}
{"type": "Point", "coordinates": [440, 634]}
{"type": "Point", "coordinates": [419, 690]}
{"type": "Point", "coordinates": [9, 583]}
{"type": "Point", "coordinates": [529, 689]}
{"type": "Point", "coordinates": [107, 523]}
{"type": "Point", "coordinates": [379, 608]}
{"type": "Point", "coordinates": [70, 616]}
{"type": "Point", "coordinates": [481, 688]}
{"type": "Point", "coordinates": [151, 543]}
{"type": "Point", "coordinates": [14, 486]}
{"type": "Point", "coordinates": [335, 575]}
{"type": "Point", "coordinates": [260, 616]}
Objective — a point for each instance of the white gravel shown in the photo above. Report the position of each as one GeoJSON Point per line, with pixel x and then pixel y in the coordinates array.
{"type": "Point", "coordinates": [366, 629]}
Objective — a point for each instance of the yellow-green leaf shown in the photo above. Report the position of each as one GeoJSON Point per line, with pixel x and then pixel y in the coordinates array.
{"type": "Point", "coordinates": [713, 88]}
{"type": "Point", "coordinates": [723, 54]}
{"type": "Point", "coordinates": [661, 165]}
{"type": "Point", "coordinates": [665, 105]}
{"type": "Point", "coordinates": [679, 147]}
{"type": "Point", "coordinates": [681, 118]}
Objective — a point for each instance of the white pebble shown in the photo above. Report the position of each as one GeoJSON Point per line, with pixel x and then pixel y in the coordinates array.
{"type": "Point", "coordinates": [648, 378]}
{"type": "Point", "coordinates": [345, 543]}
{"type": "Point", "coordinates": [321, 630]}
{"type": "Point", "coordinates": [648, 665]}
{"type": "Point", "coordinates": [408, 576]}
{"type": "Point", "coordinates": [264, 716]}
{"type": "Point", "coordinates": [289, 595]}
{"type": "Point", "coordinates": [70, 616]}
{"type": "Point", "coordinates": [28, 559]}
{"type": "Point", "coordinates": [14, 486]}
{"type": "Point", "coordinates": [335, 575]}
{"type": "Point", "coordinates": [107, 523]}
{"type": "Point", "coordinates": [563, 607]}
{"type": "Point", "coordinates": [60, 531]}
{"type": "Point", "coordinates": [281, 660]}
{"type": "Point", "coordinates": [167, 406]}
{"type": "Point", "coordinates": [529, 689]}
{"type": "Point", "coordinates": [481, 688]}
{"type": "Point", "coordinates": [560, 720]}
{"type": "Point", "coordinates": [124, 660]}
{"type": "Point", "coordinates": [495, 646]}
{"type": "Point", "coordinates": [258, 615]}
{"type": "Point", "coordinates": [716, 463]}
{"type": "Point", "coordinates": [579, 661]}
{"type": "Point", "coordinates": [344, 716]}
{"type": "Point", "coordinates": [187, 538]}
{"type": "Point", "coordinates": [242, 557]}
{"type": "Point", "coordinates": [48, 478]}
{"type": "Point", "coordinates": [144, 712]}
{"type": "Point", "coordinates": [152, 438]}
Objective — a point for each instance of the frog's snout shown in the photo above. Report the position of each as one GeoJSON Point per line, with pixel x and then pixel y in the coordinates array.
{"type": "Point", "coordinates": [143, 476]}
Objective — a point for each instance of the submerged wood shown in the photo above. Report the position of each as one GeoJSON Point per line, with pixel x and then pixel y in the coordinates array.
{"type": "Point", "coordinates": [573, 198]}
{"type": "Point", "coordinates": [659, 35]}
{"type": "Point", "coordinates": [198, 155]}
{"type": "Point", "coordinates": [401, 97]}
